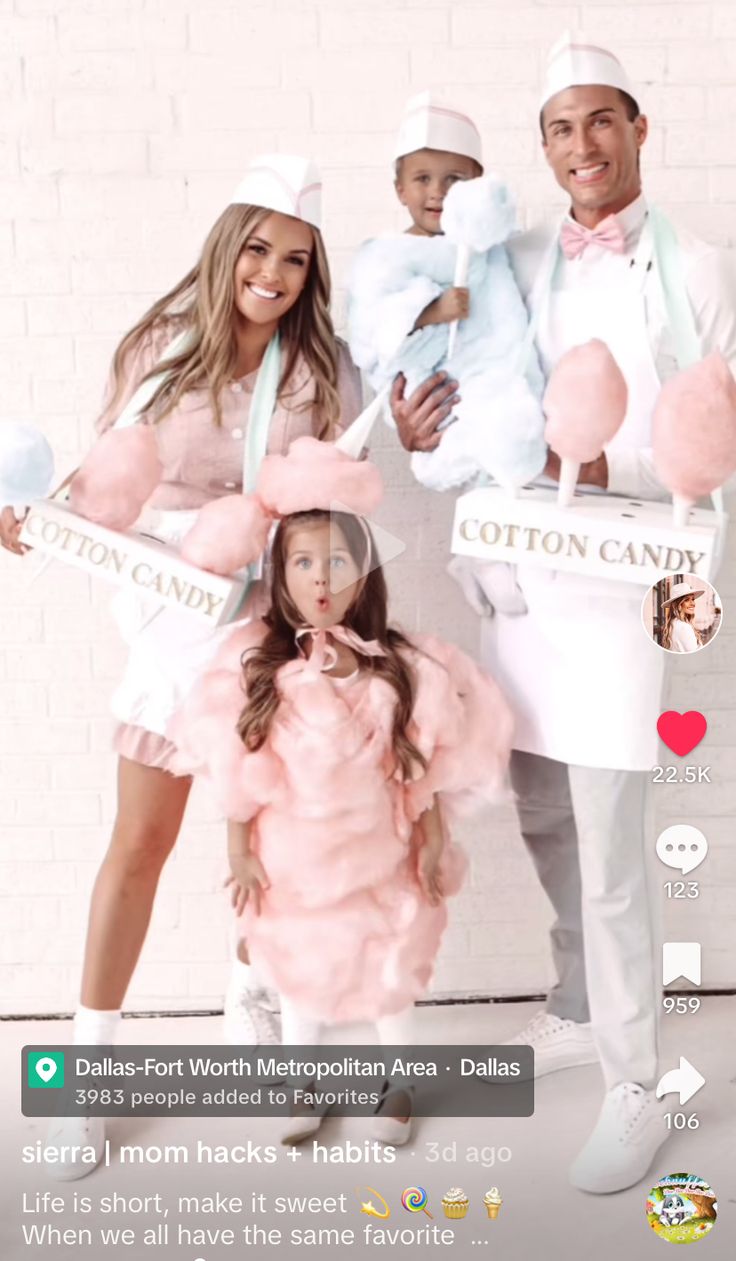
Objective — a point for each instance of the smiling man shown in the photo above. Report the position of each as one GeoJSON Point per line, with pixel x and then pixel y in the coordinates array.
{"type": "Point", "coordinates": [584, 683]}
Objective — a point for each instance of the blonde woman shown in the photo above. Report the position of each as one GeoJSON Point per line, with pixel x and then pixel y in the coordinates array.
{"type": "Point", "coordinates": [679, 633]}
{"type": "Point", "coordinates": [260, 292]}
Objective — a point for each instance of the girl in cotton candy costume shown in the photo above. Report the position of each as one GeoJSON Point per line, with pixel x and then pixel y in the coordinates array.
{"type": "Point", "coordinates": [332, 742]}
{"type": "Point", "coordinates": [397, 282]}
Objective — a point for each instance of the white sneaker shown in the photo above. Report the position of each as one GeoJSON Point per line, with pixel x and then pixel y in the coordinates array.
{"type": "Point", "coordinates": [303, 1122]}
{"type": "Point", "coordinates": [556, 1043]}
{"type": "Point", "coordinates": [251, 1018]}
{"type": "Point", "coordinates": [80, 1144]}
{"type": "Point", "coordinates": [628, 1134]}
{"type": "Point", "coordinates": [393, 1131]}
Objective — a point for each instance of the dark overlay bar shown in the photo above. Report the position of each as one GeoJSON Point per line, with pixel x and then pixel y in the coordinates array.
{"type": "Point", "coordinates": [211, 1081]}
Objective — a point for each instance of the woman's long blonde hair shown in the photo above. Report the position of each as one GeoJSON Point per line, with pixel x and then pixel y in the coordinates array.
{"type": "Point", "coordinates": [676, 612]}
{"type": "Point", "coordinates": [203, 303]}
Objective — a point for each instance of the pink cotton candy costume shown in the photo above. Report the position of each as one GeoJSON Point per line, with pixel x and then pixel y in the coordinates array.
{"type": "Point", "coordinates": [344, 929]}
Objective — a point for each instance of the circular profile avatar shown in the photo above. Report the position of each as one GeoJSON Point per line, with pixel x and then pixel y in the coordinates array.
{"type": "Point", "coordinates": [682, 613]}
{"type": "Point", "coordinates": [682, 1208]}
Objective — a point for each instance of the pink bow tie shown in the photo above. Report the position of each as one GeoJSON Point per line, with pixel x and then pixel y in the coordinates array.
{"type": "Point", "coordinates": [575, 239]}
{"type": "Point", "coordinates": [323, 656]}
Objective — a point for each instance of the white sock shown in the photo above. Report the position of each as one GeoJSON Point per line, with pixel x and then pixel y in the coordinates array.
{"type": "Point", "coordinates": [246, 975]}
{"type": "Point", "coordinates": [399, 1029]}
{"type": "Point", "coordinates": [95, 1028]}
{"type": "Point", "coordinates": [298, 1029]}
{"type": "Point", "coordinates": [247, 979]}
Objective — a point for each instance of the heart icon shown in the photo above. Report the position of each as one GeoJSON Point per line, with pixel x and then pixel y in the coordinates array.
{"type": "Point", "coordinates": [681, 732]}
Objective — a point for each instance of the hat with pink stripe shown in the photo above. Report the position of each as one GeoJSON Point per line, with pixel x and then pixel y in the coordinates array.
{"type": "Point", "coordinates": [282, 182]}
{"type": "Point", "coordinates": [577, 61]}
{"type": "Point", "coordinates": [431, 123]}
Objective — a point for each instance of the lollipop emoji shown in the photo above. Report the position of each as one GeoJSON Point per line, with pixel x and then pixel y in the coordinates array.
{"type": "Point", "coordinates": [694, 432]}
{"type": "Point", "coordinates": [414, 1200]}
{"type": "Point", "coordinates": [477, 214]}
{"type": "Point", "coordinates": [585, 404]}
{"type": "Point", "coordinates": [26, 466]}
{"type": "Point", "coordinates": [118, 477]}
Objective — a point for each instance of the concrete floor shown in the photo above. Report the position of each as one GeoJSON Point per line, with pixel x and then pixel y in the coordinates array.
{"type": "Point", "coordinates": [541, 1217]}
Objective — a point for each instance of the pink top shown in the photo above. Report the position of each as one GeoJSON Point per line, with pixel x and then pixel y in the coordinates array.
{"type": "Point", "coordinates": [203, 461]}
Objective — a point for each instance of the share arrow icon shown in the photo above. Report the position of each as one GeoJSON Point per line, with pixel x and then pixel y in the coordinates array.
{"type": "Point", "coordinates": [684, 1081]}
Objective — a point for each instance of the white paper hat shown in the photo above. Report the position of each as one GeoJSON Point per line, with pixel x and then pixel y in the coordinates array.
{"type": "Point", "coordinates": [430, 123]}
{"type": "Point", "coordinates": [576, 61]}
{"type": "Point", "coordinates": [279, 181]}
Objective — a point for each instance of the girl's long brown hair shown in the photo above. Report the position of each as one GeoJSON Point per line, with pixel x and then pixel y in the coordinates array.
{"type": "Point", "coordinates": [674, 612]}
{"type": "Point", "coordinates": [367, 616]}
{"type": "Point", "coordinates": [203, 303]}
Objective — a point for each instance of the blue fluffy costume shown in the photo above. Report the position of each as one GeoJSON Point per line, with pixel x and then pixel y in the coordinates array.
{"type": "Point", "coordinates": [497, 430]}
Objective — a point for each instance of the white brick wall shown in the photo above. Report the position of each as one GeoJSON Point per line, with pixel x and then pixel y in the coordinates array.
{"type": "Point", "coordinates": [123, 125]}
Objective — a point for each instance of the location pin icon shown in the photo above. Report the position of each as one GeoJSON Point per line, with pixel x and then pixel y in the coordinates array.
{"type": "Point", "coordinates": [46, 1068]}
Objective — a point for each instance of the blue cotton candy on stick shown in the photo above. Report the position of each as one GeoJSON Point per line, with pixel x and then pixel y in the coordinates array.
{"type": "Point", "coordinates": [26, 465]}
{"type": "Point", "coordinates": [477, 214]}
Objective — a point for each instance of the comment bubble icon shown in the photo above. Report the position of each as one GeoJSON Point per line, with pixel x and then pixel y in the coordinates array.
{"type": "Point", "coordinates": [682, 847]}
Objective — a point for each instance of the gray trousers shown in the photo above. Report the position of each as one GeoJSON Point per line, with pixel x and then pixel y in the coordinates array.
{"type": "Point", "coordinates": [588, 833]}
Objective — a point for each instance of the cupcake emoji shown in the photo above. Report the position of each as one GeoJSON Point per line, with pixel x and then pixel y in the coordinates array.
{"type": "Point", "coordinates": [455, 1203]}
{"type": "Point", "coordinates": [493, 1202]}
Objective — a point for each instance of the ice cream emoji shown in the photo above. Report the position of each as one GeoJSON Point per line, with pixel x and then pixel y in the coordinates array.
{"type": "Point", "coordinates": [455, 1203]}
{"type": "Point", "coordinates": [585, 404]}
{"type": "Point", "coordinates": [493, 1202]}
{"type": "Point", "coordinates": [694, 432]}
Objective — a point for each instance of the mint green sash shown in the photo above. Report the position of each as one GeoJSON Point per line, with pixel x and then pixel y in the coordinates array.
{"type": "Point", "coordinates": [261, 410]}
{"type": "Point", "coordinates": [256, 440]}
{"type": "Point", "coordinates": [671, 273]}
{"type": "Point", "coordinates": [681, 321]}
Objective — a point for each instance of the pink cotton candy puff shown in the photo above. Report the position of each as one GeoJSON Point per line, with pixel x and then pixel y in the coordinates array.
{"type": "Point", "coordinates": [694, 429]}
{"type": "Point", "coordinates": [229, 534]}
{"type": "Point", "coordinates": [317, 474]}
{"type": "Point", "coordinates": [585, 402]}
{"type": "Point", "coordinates": [117, 477]}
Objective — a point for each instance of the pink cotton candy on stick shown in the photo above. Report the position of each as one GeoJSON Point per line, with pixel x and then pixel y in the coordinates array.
{"type": "Point", "coordinates": [585, 404]}
{"type": "Point", "coordinates": [229, 534]}
{"type": "Point", "coordinates": [117, 478]}
{"type": "Point", "coordinates": [316, 474]}
{"type": "Point", "coordinates": [694, 432]}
